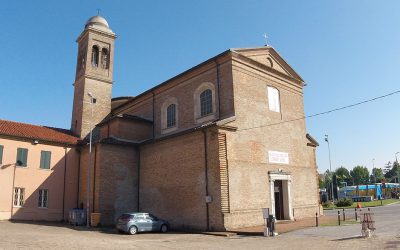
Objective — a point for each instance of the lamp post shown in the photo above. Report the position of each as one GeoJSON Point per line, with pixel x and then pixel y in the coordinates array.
{"type": "Point", "coordinates": [92, 101]}
{"type": "Point", "coordinates": [373, 166]}
{"type": "Point", "coordinates": [330, 165]}
{"type": "Point", "coordinates": [398, 170]}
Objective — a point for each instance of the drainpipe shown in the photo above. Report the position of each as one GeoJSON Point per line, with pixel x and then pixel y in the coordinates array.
{"type": "Point", "coordinates": [65, 172]}
{"type": "Point", "coordinates": [12, 192]}
{"type": "Point", "coordinates": [108, 129]}
{"type": "Point", "coordinates": [153, 114]}
{"type": "Point", "coordinates": [94, 177]}
{"type": "Point", "coordinates": [138, 181]}
{"type": "Point", "coordinates": [218, 87]}
{"type": "Point", "coordinates": [79, 181]}
{"type": "Point", "coordinates": [206, 176]}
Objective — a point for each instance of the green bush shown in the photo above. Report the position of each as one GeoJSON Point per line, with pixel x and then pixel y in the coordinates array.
{"type": "Point", "coordinates": [344, 202]}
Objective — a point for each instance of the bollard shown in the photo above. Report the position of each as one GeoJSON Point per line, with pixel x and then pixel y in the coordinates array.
{"type": "Point", "coordinates": [316, 219]}
{"type": "Point", "coordinates": [355, 211]}
{"type": "Point", "coordinates": [368, 210]}
{"type": "Point", "coordinates": [344, 215]}
{"type": "Point", "coordinates": [381, 202]}
{"type": "Point", "coordinates": [338, 217]}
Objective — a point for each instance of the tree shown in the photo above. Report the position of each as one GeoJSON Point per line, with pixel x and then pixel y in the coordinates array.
{"type": "Point", "coordinates": [391, 174]}
{"type": "Point", "coordinates": [377, 174]}
{"type": "Point", "coordinates": [321, 183]}
{"type": "Point", "coordinates": [360, 175]}
{"type": "Point", "coordinates": [342, 175]}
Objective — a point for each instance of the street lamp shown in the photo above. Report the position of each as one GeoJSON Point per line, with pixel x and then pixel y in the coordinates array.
{"type": "Point", "coordinates": [330, 165]}
{"type": "Point", "coordinates": [398, 170]}
{"type": "Point", "coordinates": [373, 166]}
{"type": "Point", "coordinates": [92, 101]}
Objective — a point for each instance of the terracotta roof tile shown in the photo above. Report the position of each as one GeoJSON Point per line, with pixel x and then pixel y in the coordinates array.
{"type": "Point", "coordinates": [35, 132]}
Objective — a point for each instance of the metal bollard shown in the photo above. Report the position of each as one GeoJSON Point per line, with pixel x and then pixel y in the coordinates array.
{"type": "Point", "coordinates": [355, 211]}
{"type": "Point", "coordinates": [316, 219]}
{"type": "Point", "coordinates": [344, 215]}
{"type": "Point", "coordinates": [338, 217]}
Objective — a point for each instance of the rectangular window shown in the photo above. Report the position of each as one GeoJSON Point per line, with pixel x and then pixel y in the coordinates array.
{"type": "Point", "coordinates": [45, 159]}
{"type": "Point", "coordinates": [43, 197]}
{"type": "Point", "coordinates": [19, 194]}
{"type": "Point", "coordinates": [1, 154]}
{"type": "Point", "coordinates": [273, 100]}
{"type": "Point", "coordinates": [22, 157]}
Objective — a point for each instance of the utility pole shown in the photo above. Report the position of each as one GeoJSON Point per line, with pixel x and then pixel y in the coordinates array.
{"type": "Point", "coordinates": [92, 101]}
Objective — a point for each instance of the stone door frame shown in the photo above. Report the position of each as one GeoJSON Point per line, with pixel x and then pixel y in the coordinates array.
{"type": "Point", "coordinates": [286, 179]}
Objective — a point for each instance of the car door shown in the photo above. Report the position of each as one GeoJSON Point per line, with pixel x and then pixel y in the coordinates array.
{"type": "Point", "coordinates": [147, 223]}
{"type": "Point", "coordinates": [155, 222]}
{"type": "Point", "coordinates": [141, 223]}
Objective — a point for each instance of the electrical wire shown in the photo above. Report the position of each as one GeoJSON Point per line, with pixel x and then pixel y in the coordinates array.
{"type": "Point", "coordinates": [325, 112]}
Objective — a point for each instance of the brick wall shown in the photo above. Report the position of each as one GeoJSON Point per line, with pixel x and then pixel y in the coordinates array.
{"type": "Point", "coordinates": [113, 179]}
{"type": "Point", "coordinates": [173, 182]}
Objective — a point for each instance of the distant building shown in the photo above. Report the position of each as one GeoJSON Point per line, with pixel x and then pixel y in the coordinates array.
{"type": "Point", "coordinates": [206, 149]}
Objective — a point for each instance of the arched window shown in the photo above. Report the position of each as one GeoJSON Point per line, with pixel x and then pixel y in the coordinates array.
{"type": "Point", "coordinates": [104, 58]}
{"type": "Point", "coordinates": [95, 56]}
{"type": "Point", "coordinates": [273, 99]}
{"type": "Point", "coordinates": [206, 102]}
{"type": "Point", "coordinates": [171, 115]}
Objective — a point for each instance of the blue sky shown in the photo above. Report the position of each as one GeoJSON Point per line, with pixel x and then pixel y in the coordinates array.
{"type": "Point", "coordinates": [346, 51]}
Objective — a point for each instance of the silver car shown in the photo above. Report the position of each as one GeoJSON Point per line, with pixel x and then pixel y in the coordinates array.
{"type": "Point", "coordinates": [133, 223]}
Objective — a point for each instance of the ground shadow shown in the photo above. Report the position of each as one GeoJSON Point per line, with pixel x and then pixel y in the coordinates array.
{"type": "Point", "coordinates": [350, 238]}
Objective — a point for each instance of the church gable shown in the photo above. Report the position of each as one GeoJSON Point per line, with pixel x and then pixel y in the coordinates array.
{"type": "Point", "coordinates": [270, 58]}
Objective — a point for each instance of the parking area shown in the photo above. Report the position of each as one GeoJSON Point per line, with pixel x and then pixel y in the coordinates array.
{"type": "Point", "coordinates": [22, 235]}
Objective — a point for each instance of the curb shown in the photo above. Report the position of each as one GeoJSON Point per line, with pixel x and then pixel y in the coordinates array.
{"type": "Point", "coordinates": [221, 234]}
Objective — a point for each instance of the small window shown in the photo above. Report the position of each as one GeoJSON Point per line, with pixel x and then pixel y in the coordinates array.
{"type": "Point", "coordinates": [22, 157]}
{"type": "Point", "coordinates": [104, 58]}
{"type": "Point", "coordinates": [95, 56]}
{"type": "Point", "coordinates": [19, 195]}
{"type": "Point", "coordinates": [45, 159]}
{"type": "Point", "coordinates": [1, 154]}
{"type": "Point", "coordinates": [273, 100]}
{"type": "Point", "coordinates": [206, 102]}
{"type": "Point", "coordinates": [43, 197]}
{"type": "Point", "coordinates": [171, 115]}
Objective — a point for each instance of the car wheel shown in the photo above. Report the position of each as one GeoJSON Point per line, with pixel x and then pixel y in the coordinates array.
{"type": "Point", "coordinates": [164, 228]}
{"type": "Point", "coordinates": [132, 230]}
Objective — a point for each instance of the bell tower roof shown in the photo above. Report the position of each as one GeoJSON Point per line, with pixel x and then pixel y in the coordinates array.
{"type": "Point", "coordinates": [98, 22]}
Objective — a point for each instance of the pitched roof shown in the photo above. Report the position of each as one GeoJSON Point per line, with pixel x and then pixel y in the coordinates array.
{"type": "Point", "coordinates": [34, 132]}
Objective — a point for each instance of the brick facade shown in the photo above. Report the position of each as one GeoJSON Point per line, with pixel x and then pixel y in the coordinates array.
{"type": "Point", "coordinates": [210, 172]}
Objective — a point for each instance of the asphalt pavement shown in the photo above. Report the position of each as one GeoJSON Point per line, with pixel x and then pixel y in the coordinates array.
{"type": "Point", "coordinates": [387, 223]}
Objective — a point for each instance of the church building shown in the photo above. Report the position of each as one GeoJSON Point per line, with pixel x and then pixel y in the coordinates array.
{"type": "Point", "coordinates": [205, 150]}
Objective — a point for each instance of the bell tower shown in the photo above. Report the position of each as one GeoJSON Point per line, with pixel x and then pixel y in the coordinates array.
{"type": "Point", "coordinates": [94, 76]}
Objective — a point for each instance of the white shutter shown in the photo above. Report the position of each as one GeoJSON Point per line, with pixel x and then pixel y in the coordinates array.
{"type": "Point", "coordinates": [273, 99]}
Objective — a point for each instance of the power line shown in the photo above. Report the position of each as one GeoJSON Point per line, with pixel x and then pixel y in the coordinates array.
{"type": "Point", "coordinates": [325, 112]}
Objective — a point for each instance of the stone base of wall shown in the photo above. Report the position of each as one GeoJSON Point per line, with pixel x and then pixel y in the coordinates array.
{"type": "Point", "coordinates": [250, 218]}
{"type": "Point", "coordinates": [241, 219]}
{"type": "Point", "coordinates": [307, 211]}
{"type": "Point", "coordinates": [5, 215]}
